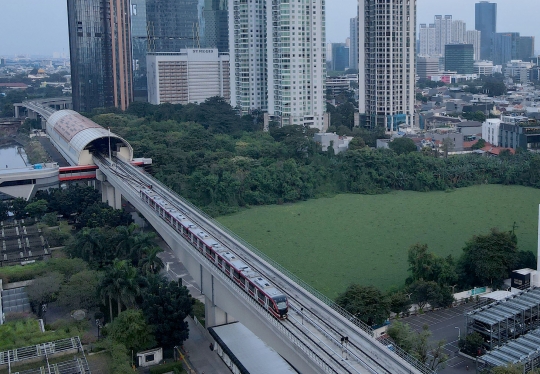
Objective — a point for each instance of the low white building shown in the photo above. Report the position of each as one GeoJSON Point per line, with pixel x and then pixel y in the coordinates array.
{"type": "Point", "coordinates": [483, 68]}
{"type": "Point", "coordinates": [490, 131]}
{"type": "Point", "coordinates": [188, 76]}
{"type": "Point", "coordinates": [327, 139]}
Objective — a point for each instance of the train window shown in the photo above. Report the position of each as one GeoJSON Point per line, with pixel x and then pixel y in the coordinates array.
{"type": "Point", "coordinates": [220, 261]}
{"type": "Point", "coordinates": [260, 295]}
{"type": "Point", "coordinates": [227, 268]}
{"type": "Point", "coordinates": [251, 288]}
{"type": "Point", "coordinates": [209, 252]}
{"type": "Point", "coordinates": [236, 275]}
{"type": "Point", "coordinates": [201, 244]}
{"type": "Point", "coordinates": [242, 281]}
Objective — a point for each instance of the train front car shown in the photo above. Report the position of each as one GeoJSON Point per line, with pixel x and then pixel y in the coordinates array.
{"type": "Point", "coordinates": [282, 305]}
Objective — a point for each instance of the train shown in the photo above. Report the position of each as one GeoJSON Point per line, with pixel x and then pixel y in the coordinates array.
{"type": "Point", "coordinates": [249, 280]}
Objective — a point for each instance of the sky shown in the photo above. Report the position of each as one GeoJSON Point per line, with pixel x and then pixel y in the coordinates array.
{"type": "Point", "coordinates": [39, 27]}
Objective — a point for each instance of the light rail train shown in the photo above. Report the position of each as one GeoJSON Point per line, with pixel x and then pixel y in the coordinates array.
{"type": "Point", "coordinates": [260, 289]}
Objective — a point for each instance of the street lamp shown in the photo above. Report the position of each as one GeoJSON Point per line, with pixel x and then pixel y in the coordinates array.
{"type": "Point", "coordinates": [459, 333]}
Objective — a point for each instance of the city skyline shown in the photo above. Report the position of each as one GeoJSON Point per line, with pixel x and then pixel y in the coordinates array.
{"type": "Point", "coordinates": [53, 34]}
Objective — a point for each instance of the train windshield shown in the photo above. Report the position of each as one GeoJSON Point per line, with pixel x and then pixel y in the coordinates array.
{"type": "Point", "coordinates": [281, 302]}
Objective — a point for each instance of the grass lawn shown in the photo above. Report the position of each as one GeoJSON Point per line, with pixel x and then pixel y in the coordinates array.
{"type": "Point", "coordinates": [332, 242]}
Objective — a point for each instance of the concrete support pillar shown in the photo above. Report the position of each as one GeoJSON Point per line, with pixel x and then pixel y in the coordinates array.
{"type": "Point", "coordinates": [111, 196]}
{"type": "Point", "coordinates": [215, 316]}
{"type": "Point", "coordinates": [32, 114]}
{"type": "Point", "coordinates": [16, 111]}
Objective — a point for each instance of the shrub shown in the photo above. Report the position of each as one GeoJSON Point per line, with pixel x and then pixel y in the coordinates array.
{"type": "Point", "coordinates": [168, 367]}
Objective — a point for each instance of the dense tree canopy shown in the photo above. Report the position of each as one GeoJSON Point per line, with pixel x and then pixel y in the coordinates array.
{"type": "Point", "coordinates": [166, 305]}
{"type": "Point", "coordinates": [366, 303]}
{"type": "Point", "coordinates": [489, 259]}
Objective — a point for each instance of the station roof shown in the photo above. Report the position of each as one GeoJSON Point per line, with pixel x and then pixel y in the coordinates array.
{"type": "Point", "coordinates": [74, 133]}
{"type": "Point", "coordinates": [249, 353]}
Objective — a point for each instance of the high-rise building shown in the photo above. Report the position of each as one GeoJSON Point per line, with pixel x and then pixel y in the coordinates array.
{"type": "Point", "coordinates": [526, 48]}
{"type": "Point", "coordinates": [459, 28]}
{"type": "Point", "coordinates": [340, 56]}
{"type": "Point", "coordinates": [459, 58]}
{"type": "Point", "coordinates": [100, 52]}
{"type": "Point", "coordinates": [353, 45]}
{"type": "Point", "coordinates": [278, 59]}
{"type": "Point", "coordinates": [427, 66]}
{"type": "Point", "coordinates": [486, 23]}
{"type": "Point", "coordinates": [505, 47]}
{"type": "Point", "coordinates": [139, 44]}
{"type": "Point", "coordinates": [443, 33]}
{"type": "Point", "coordinates": [188, 76]}
{"type": "Point", "coordinates": [427, 40]}
{"type": "Point", "coordinates": [172, 25]}
{"type": "Point", "coordinates": [387, 62]}
{"type": "Point", "coordinates": [474, 37]}
{"type": "Point", "coordinates": [214, 25]}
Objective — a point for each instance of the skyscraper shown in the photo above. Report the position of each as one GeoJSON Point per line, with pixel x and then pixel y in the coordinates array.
{"type": "Point", "coordinates": [486, 23]}
{"type": "Point", "coordinates": [353, 48]}
{"type": "Point", "coordinates": [214, 25]}
{"type": "Point", "coordinates": [443, 33]}
{"type": "Point", "coordinates": [474, 37]}
{"type": "Point", "coordinates": [526, 48]}
{"type": "Point", "coordinates": [139, 42]}
{"type": "Point", "coordinates": [505, 47]}
{"type": "Point", "coordinates": [172, 25]}
{"type": "Point", "coordinates": [387, 62]}
{"type": "Point", "coordinates": [340, 56]}
{"type": "Point", "coordinates": [278, 59]}
{"type": "Point", "coordinates": [459, 28]}
{"type": "Point", "coordinates": [100, 52]}
{"type": "Point", "coordinates": [427, 40]}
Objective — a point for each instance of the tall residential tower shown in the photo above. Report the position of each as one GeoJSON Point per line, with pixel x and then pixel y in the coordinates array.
{"type": "Point", "coordinates": [387, 62]}
{"type": "Point", "coordinates": [100, 52]}
{"type": "Point", "coordinates": [278, 59]}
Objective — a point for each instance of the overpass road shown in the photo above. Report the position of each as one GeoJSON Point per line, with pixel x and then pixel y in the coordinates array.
{"type": "Point", "coordinates": [334, 340]}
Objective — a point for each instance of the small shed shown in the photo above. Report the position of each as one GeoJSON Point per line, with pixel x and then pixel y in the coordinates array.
{"type": "Point", "coordinates": [150, 357]}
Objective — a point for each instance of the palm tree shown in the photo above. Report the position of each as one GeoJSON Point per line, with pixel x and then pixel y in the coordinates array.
{"type": "Point", "coordinates": [142, 242]}
{"type": "Point", "coordinates": [150, 262]}
{"type": "Point", "coordinates": [88, 243]}
{"type": "Point", "coordinates": [125, 239]}
{"type": "Point", "coordinates": [121, 283]}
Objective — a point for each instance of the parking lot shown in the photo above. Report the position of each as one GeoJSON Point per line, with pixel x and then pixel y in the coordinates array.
{"type": "Point", "coordinates": [447, 324]}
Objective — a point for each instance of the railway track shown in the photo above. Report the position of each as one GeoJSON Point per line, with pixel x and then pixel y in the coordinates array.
{"type": "Point", "coordinates": [310, 319]}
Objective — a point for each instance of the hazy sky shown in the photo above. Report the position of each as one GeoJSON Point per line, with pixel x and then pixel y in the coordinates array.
{"type": "Point", "coordinates": [40, 26]}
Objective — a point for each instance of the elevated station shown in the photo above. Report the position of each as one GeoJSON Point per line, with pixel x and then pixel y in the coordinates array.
{"type": "Point", "coordinates": [75, 137]}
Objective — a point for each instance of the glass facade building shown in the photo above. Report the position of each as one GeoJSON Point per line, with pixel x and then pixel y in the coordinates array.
{"type": "Point", "coordinates": [139, 41]}
{"type": "Point", "coordinates": [486, 23]}
{"type": "Point", "coordinates": [214, 24]}
{"type": "Point", "coordinates": [172, 25]}
{"type": "Point", "coordinates": [100, 52]}
{"type": "Point", "coordinates": [459, 58]}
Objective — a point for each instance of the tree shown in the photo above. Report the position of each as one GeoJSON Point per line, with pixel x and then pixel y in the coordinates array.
{"type": "Point", "coordinates": [121, 282]}
{"type": "Point", "coordinates": [471, 344]}
{"type": "Point", "coordinates": [88, 245]}
{"type": "Point", "coordinates": [36, 208]}
{"type": "Point", "coordinates": [365, 302]}
{"type": "Point", "coordinates": [356, 143]}
{"type": "Point", "coordinates": [44, 289]}
{"type": "Point", "coordinates": [81, 291]}
{"type": "Point", "coordinates": [165, 306]}
{"type": "Point", "coordinates": [150, 262]}
{"type": "Point", "coordinates": [402, 146]}
{"type": "Point", "coordinates": [489, 259]}
{"type": "Point", "coordinates": [423, 292]}
{"type": "Point", "coordinates": [481, 143]}
{"type": "Point", "coordinates": [416, 343]}
{"type": "Point", "coordinates": [509, 369]}
{"type": "Point", "coordinates": [18, 207]}
{"type": "Point", "coordinates": [130, 328]}
{"type": "Point", "coordinates": [399, 302]}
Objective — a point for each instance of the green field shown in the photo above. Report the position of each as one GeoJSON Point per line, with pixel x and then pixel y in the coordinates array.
{"type": "Point", "coordinates": [333, 242]}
